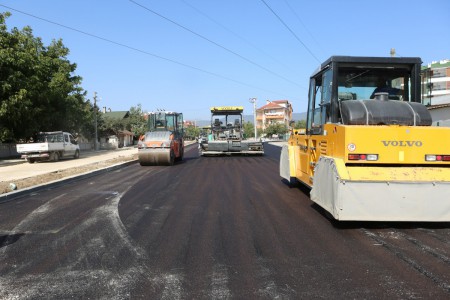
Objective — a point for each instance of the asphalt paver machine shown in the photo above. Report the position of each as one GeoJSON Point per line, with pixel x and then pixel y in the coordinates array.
{"type": "Point", "coordinates": [226, 136]}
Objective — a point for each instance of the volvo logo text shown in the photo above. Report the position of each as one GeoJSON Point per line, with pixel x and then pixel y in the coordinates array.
{"type": "Point", "coordinates": [402, 143]}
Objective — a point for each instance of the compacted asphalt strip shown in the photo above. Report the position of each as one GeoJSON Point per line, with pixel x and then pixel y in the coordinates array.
{"type": "Point", "coordinates": [16, 169]}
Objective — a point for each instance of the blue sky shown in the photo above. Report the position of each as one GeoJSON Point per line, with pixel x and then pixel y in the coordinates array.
{"type": "Point", "coordinates": [189, 55]}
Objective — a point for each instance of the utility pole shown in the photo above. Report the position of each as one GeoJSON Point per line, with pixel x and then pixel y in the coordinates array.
{"type": "Point", "coordinates": [95, 122]}
{"type": "Point", "coordinates": [253, 100]}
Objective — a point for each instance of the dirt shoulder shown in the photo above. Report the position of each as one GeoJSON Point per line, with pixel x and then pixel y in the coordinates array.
{"type": "Point", "coordinates": [22, 183]}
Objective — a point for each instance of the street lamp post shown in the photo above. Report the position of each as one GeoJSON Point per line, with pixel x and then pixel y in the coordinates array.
{"type": "Point", "coordinates": [253, 100]}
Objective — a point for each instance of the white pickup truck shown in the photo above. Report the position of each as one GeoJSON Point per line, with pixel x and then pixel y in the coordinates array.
{"type": "Point", "coordinates": [50, 146]}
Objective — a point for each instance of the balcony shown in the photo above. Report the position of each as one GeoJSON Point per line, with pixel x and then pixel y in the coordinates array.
{"type": "Point", "coordinates": [274, 113]}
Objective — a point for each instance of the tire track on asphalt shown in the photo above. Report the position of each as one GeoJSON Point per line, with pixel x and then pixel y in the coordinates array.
{"type": "Point", "coordinates": [101, 239]}
{"type": "Point", "coordinates": [424, 248]}
{"type": "Point", "coordinates": [30, 220]}
{"type": "Point", "coordinates": [433, 234]}
{"type": "Point", "coordinates": [148, 217]}
{"type": "Point", "coordinates": [399, 253]}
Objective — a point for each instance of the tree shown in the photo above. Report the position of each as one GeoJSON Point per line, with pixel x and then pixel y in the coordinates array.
{"type": "Point", "coordinates": [110, 125]}
{"type": "Point", "coordinates": [136, 122]}
{"type": "Point", "coordinates": [249, 129]}
{"type": "Point", "coordinates": [191, 132]}
{"type": "Point", "coordinates": [276, 128]}
{"type": "Point", "coordinates": [38, 91]}
{"type": "Point", "coordinates": [300, 124]}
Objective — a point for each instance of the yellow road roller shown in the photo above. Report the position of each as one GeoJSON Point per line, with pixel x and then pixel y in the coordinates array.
{"type": "Point", "coordinates": [369, 151]}
{"type": "Point", "coordinates": [163, 143]}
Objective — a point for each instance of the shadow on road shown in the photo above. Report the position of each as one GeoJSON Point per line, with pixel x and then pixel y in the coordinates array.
{"type": "Point", "coordinates": [9, 239]}
{"type": "Point", "coordinates": [377, 224]}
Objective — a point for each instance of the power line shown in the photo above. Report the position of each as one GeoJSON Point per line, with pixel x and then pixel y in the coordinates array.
{"type": "Point", "coordinates": [301, 22]}
{"type": "Point", "coordinates": [290, 30]}
{"type": "Point", "coordinates": [141, 51]}
{"type": "Point", "coordinates": [212, 42]}
{"type": "Point", "coordinates": [235, 34]}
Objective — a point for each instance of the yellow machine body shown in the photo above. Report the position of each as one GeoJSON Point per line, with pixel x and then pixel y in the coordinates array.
{"type": "Point", "coordinates": [396, 146]}
{"type": "Point", "coordinates": [372, 172]}
{"type": "Point", "coordinates": [399, 186]}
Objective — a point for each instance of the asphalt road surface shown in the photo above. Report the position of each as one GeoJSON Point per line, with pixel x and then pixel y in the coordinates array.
{"type": "Point", "coordinates": [208, 228]}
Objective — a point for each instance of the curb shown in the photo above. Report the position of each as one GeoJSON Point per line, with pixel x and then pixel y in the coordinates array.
{"type": "Point", "coordinates": [52, 184]}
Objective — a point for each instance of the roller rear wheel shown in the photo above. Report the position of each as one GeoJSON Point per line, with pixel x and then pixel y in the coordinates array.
{"type": "Point", "coordinates": [171, 158]}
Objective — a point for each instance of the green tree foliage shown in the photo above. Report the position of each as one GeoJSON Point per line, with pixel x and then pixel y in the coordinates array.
{"type": "Point", "coordinates": [300, 124]}
{"type": "Point", "coordinates": [191, 132]}
{"type": "Point", "coordinates": [38, 91]}
{"type": "Point", "coordinates": [136, 122]}
{"type": "Point", "coordinates": [249, 129]}
{"type": "Point", "coordinates": [276, 128]}
{"type": "Point", "coordinates": [108, 125]}
{"type": "Point", "coordinates": [259, 132]}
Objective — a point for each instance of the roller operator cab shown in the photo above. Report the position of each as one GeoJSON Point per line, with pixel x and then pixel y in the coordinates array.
{"type": "Point", "coordinates": [226, 135]}
{"type": "Point", "coordinates": [369, 151]}
{"type": "Point", "coordinates": [163, 143]}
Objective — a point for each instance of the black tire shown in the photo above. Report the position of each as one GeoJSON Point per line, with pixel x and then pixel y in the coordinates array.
{"type": "Point", "coordinates": [142, 163]}
{"type": "Point", "coordinates": [31, 160]}
{"type": "Point", "coordinates": [292, 182]}
{"type": "Point", "coordinates": [77, 154]}
{"type": "Point", "coordinates": [172, 158]}
{"type": "Point", "coordinates": [180, 158]}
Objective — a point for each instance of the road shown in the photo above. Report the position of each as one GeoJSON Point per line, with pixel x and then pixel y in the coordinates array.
{"type": "Point", "coordinates": [208, 228]}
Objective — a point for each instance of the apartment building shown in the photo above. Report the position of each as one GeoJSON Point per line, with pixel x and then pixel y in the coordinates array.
{"type": "Point", "coordinates": [277, 111]}
{"type": "Point", "coordinates": [436, 83]}
{"type": "Point", "coordinates": [436, 91]}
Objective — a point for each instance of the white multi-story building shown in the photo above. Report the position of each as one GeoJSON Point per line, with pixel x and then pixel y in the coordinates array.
{"type": "Point", "coordinates": [436, 83]}
{"type": "Point", "coordinates": [277, 111]}
{"type": "Point", "coordinates": [436, 91]}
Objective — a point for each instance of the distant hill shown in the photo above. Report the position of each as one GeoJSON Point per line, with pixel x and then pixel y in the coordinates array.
{"type": "Point", "coordinates": [299, 116]}
{"type": "Point", "coordinates": [249, 118]}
